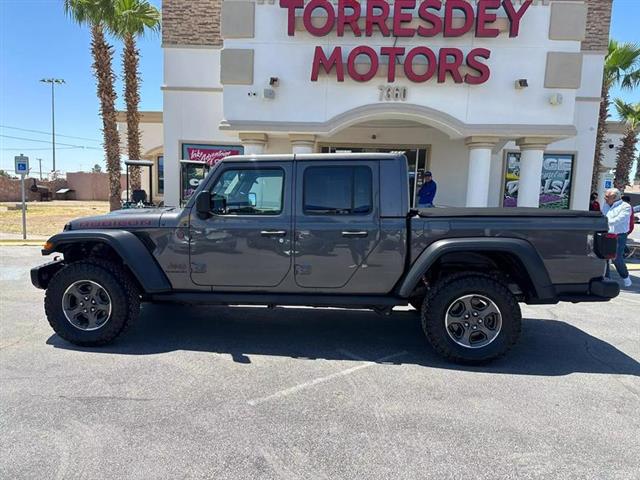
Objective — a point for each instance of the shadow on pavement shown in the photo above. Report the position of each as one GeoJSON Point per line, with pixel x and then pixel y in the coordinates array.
{"type": "Point", "coordinates": [547, 347]}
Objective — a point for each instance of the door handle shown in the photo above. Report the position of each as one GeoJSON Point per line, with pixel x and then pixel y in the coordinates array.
{"type": "Point", "coordinates": [353, 234]}
{"type": "Point", "coordinates": [273, 233]}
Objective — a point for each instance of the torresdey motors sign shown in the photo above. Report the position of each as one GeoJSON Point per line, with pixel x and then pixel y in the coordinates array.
{"type": "Point", "coordinates": [450, 18]}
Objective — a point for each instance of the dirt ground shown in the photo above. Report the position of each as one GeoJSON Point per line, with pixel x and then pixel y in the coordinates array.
{"type": "Point", "coordinates": [46, 218]}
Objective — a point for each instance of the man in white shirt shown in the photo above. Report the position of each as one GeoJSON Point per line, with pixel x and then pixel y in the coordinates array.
{"type": "Point", "coordinates": [618, 214]}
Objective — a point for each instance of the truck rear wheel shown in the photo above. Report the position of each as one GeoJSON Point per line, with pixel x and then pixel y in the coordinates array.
{"type": "Point", "coordinates": [471, 319]}
{"type": "Point", "coordinates": [91, 303]}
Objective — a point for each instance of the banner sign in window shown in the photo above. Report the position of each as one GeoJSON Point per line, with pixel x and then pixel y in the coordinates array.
{"type": "Point", "coordinates": [206, 156]}
{"type": "Point", "coordinates": [555, 185]}
{"type": "Point", "coordinates": [209, 154]}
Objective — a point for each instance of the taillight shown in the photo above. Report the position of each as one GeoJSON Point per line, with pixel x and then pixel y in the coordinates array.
{"type": "Point", "coordinates": [612, 255]}
{"type": "Point", "coordinates": [606, 245]}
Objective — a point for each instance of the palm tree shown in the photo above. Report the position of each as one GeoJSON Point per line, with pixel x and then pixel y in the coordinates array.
{"type": "Point", "coordinates": [132, 19]}
{"type": "Point", "coordinates": [621, 67]}
{"type": "Point", "coordinates": [630, 115]}
{"type": "Point", "coordinates": [98, 15]}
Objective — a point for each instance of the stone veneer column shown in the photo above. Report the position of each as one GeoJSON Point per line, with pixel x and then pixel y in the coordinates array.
{"type": "Point", "coordinates": [531, 158]}
{"type": "Point", "coordinates": [253, 143]}
{"type": "Point", "coordinates": [301, 144]}
{"type": "Point", "coordinates": [480, 150]}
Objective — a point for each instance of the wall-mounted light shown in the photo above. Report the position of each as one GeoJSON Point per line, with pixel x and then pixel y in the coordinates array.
{"type": "Point", "coordinates": [522, 83]}
{"type": "Point", "coordinates": [556, 99]}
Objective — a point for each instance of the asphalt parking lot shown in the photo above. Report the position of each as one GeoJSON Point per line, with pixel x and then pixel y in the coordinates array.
{"type": "Point", "coordinates": [290, 393]}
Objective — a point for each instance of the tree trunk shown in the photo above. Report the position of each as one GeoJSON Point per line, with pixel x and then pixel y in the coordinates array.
{"type": "Point", "coordinates": [600, 137]}
{"type": "Point", "coordinates": [626, 156]}
{"type": "Point", "coordinates": [102, 69]}
{"type": "Point", "coordinates": [130, 57]}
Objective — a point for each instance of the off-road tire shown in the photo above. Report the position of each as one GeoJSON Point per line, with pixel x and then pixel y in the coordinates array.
{"type": "Point", "coordinates": [445, 292]}
{"type": "Point", "coordinates": [122, 290]}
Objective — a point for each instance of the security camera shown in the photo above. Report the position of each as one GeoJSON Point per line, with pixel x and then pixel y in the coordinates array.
{"type": "Point", "coordinates": [522, 83]}
{"type": "Point", "coordinates": [274, 81]}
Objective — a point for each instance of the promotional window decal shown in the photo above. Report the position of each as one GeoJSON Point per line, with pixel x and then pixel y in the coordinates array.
{"type": "Point", "coordinates": [209, 154]}
{"type": "Point", "coordinates": [555, 185]}
{"type": "Point", "coordinates": [206, 156]}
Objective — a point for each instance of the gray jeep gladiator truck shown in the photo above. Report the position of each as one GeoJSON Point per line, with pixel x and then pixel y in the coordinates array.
{"type": "Point", "coordinates": [326, 230]}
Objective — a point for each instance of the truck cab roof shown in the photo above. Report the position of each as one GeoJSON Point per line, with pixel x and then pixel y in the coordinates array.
{"type": "Point", "coordinates": [313, 157]}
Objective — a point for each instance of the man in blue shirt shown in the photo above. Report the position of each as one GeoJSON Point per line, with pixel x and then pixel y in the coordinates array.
{"type": "Point", "coordinates": [427, 193]}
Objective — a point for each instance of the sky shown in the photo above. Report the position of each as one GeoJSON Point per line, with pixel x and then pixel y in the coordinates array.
{"type": "Point", "coordinates": [38, 41]}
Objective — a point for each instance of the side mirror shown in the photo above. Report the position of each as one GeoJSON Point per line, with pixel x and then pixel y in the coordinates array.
{"type": "Point", "coordinates": [203, 204]}
{"type": "Point", "coordinates": [219, 204]}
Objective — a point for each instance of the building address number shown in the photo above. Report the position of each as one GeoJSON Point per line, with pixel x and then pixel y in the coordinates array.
{"type": "Point", "coordinates": [390, 93]}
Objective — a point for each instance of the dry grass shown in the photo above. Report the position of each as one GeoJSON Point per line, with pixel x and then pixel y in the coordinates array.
{"type": "Point", "coordinates": [47, 218]}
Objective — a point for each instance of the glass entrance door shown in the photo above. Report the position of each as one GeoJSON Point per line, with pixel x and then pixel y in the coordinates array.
{"type": "Point", "coordinates": [417, 159]}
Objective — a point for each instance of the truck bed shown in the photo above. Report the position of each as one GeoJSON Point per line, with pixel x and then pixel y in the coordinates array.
{"type": "Point", "coordinates": [503, 212]}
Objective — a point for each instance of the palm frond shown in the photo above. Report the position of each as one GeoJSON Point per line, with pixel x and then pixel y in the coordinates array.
{"type": "Point", "coordinates": [629, 112]}
{"type": "Point", "coordinates": [135, 17]}
{"type": "Point", "coordinates": [622, 64]}
{"type": "Point", "coordinates": [90, 12]}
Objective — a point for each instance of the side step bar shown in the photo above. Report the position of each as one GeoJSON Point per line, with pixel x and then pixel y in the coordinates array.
{"type": "Point", "coordinates": [272, 299]}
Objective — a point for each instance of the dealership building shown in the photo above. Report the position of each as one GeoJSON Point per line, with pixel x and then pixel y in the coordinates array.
{"type": "Point", "coordinates": [498, 98]}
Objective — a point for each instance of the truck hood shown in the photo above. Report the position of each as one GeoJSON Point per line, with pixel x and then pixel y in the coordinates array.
{"type": "Point", "coordinates": [127, 219]}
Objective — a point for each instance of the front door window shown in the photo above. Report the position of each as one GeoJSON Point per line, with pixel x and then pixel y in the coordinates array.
{"type": "Point", "coordinates": [251, 192]}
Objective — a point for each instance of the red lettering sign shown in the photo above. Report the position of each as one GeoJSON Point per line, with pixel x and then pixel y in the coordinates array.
{"type": "Point", "coordinates": [449, 18]}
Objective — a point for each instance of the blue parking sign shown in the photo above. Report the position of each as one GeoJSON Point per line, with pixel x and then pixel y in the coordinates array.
{"type": "Point", "coordinates": [22, 165]}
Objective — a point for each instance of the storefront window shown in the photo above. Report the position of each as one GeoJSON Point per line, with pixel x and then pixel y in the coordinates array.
{"type": "Point", "coordinates": [197, 159]}
{"type": "Point", "coordinates": [161, 174]}
{"type": "Point", "coordinates": [417, 163]}
{"type": "Point", "coordinates": [555, 185]}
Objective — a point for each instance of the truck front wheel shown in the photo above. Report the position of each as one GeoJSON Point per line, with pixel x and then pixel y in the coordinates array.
{"type": "Point", "coordinates": [471, 318]}
{"type": "Point", "coordinates": [90, 303]}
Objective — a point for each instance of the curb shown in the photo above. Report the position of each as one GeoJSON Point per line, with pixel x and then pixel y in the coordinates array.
{"type": "Point", "coordinates": [22, 243]}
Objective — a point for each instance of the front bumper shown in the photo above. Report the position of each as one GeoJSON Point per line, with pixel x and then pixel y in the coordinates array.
{"type": "Point", "coordinates": [42, 275]}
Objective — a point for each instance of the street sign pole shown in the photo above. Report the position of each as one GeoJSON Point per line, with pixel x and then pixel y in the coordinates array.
{"type": "Point", "coordinates": [22, 167]}
{"type": "Point", "coordinates": [24, 209]}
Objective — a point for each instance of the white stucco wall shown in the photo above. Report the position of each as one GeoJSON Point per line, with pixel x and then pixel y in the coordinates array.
{"type": "Point", "coordinates": [192, 106]}
{"type": "Point", "coordinates": [290, 59]}
{"type": "Point", "coordinates": [196, 104]}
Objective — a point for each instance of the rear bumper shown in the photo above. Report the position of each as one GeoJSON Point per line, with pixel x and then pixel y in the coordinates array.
{"type": "Point", "coordinates": [598, 290]}
{"type": "Point", "coordinates": [42, 275]}
{"type": "Point", "coordinates": [604, 288]}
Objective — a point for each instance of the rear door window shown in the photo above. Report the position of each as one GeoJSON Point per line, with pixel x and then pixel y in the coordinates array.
{"type": "Point", "coordinates": [339, 190]}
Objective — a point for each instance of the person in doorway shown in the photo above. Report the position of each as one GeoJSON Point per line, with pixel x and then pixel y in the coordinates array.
{"type": "Point", "coordinates": [618, 213]}
{"type": "Point", "coordinates": [427, 193]}
{"type": "Point", "coordinates": [632, 220]}
{"type": "Point", "coordinates": [594, 204]}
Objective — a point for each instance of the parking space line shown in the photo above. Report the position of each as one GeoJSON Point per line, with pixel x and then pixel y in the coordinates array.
{"type": "Point", "coordinates": [317, 381]}
{"type": "Point", "coordinates": [627, 298]}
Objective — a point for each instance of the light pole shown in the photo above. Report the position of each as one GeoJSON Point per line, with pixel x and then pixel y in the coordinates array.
{"type": "Point", "coordinates": [53, 82]}
{"type": "Point", "coordinates": [40, 163]}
